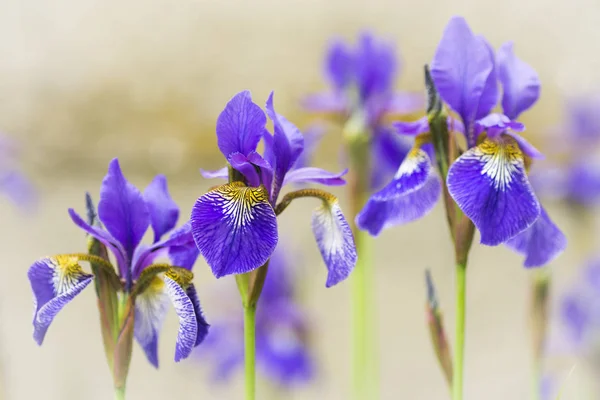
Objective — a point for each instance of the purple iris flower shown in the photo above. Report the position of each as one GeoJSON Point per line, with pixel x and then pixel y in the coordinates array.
{"type": "Point", "coordinates": [13, 183]}
{"type": "Point", "coordinates": [281, 332]}
{"type": "Point", "coordinates": [580, 308]}
{"type": "Point", "coordinates": [489, 180]}
{"type": "Point", "coordinates": [235, 225]}
{"type": "Point", "coordinates": [362, 81]}
{"type": "Point", "coordinates": [125, 214]}
{"type": "Point", "coordinates": [577, 179]}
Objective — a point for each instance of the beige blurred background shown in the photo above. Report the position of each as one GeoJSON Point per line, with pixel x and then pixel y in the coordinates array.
{"type": "Point", "coordinates": [84, 81]}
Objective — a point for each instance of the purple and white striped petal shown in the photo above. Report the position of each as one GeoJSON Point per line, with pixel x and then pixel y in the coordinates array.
{"type": "Point", "coordinates": [489, 184]}
{"type": "Point", "coordinates": [412, 175]}
{"type": "Point", "coordinates": [240, 125]}
{"type": "Point", "coordinates": [55, 281]}
{"type": "Point", "coordinates": [164, 212]}
{"type": "Point", "coordinates": [151, 307]}
{"type": "Point", "coordinates": [200, 321]}
{"type": "Point", "coordinates": [316, 175]}
{"type": "Point", "coordinates": [542, 242]}
{"type": "Point", "coordinates": [412, 193]}
{"type": "Point", "coordinates": [235, 228]}
{"type": "Point", "coordinates": [122, 209]}
{"type": "Point", "coordinates": [335, 240]}
{"type": "Point", "coordinates": [377, 215]}
{"type": "Point", "coordinates": [188, 324]}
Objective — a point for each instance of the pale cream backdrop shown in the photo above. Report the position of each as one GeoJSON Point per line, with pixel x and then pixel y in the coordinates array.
{"type": "Point", "coordinates": [84, 81]}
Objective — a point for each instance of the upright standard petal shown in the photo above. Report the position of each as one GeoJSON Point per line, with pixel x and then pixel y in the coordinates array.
{"type": "Point", "coordinates": [288, 144]}
{"type": "Point", "coordinates": [335, 240]}
{"type": "Point", "coordinates": [150, 310]}
{"type": "Point", "coordinates": [188, 325]}
{"type": "Point", "coordinates": [489, 184]}
{"type": "Point", "coordinates": [460, 69]}
{"type": "Point", "coordinates": [339, 65]}
{"type": "Point", "coordinates": [412, 193]}
{"type": "Point", "coordinates": [122, 209]}
{"type": "Point", "coordinates": [240, 126]}
{"type": "Point", "coordinates": [375, 65]}
{"type": "Point", "coordinates": [520, 82]}
{"type": "Point", "coordinates": [164, 212]}
{"type": "Point", "coordinates": [235, 228]}
{"type": "Point", "coordinates": [540, 243]}
{"type": "Point", "coordinates": [55, 281]}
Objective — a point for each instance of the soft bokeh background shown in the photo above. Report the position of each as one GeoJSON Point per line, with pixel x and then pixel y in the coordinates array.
{"type": "Point", "coordinates": [84, 81]}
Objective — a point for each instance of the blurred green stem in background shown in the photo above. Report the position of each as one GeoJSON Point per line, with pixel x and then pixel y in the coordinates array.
{"type": "Point", "coordinates": [540, 299]}
{"type": "Point", "coordinates": [250, 351]}
{"type": "Point", "coordinates": [364, 352]}
{"type": "Point", "coordinates": [119, 393]}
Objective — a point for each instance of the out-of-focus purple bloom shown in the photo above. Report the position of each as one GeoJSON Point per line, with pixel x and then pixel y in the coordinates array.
{"type": "Point", "coordinates": [282, 350]}
{"type": "Point", "coordinates": [489, 180]}
{"type": "Point", "coordinates": [576, 179]}
{"type": "Point", "coordinates": [580, 308]}
{"type": "Point", "coordinates": [235, 225]}
{"type": "Point", "coordinates": [362, 94]}
{"type": "Point", "coordinates": [14, 184]}
{"type": "Point", "coordinates": [125, 214]}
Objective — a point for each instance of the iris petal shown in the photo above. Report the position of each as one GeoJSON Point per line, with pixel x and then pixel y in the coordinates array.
{"type": "Point", "coordinates": [489, 184]}
{"type": "Point", "coordinates": [151, 307]}
{"type": "Point", "coordinates": [412, 193]}
{"type": "Point", "coordinates": [339, 64]}
{"type": "Point", "coordinates": [200, 321]}
{"type": "Point", "coordinates": [222, 173]}
{"type": "Point", "coordinates": [164, 212]}
{"type": "Point", "coordinates": [520, 82]}
{"type": "Point", "coordinates": [240, 125]}
{"type": "Point", "coordinates": [335, 241]}
{"type": "Point", "coordinates": [55, 282]}
{"type": "Point", "coordinates": [317, 175]}
{"type": "Point", "coordinates": [188, 326]}
{"type": "Point", "coordinates": [235, 228]}
{"type": "Point", "coordinates": [122, 209]}
{"type": "Point", "coordinates": [460, 69]}
{"type": "Point", "coordinates": [540, 243]}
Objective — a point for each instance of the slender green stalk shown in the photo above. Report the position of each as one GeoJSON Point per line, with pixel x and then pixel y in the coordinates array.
{"type": "Point", "coordinates": [540, 300]}
{"type": "Point", "coordinates": [119, 393]}
{"type": "Point", "coordinates": [364, 353]}
{"type": "Point", "coordinates": [363, 362]}
{"type": "Point", "coordinates": [250, 351]}
{"type": "Point", "coordinates": [459, 337]}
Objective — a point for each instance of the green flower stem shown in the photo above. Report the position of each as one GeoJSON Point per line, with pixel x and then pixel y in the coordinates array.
{"type": "Point", "coordinates": [119, 393]}
{"type": "Point", "coordinates": [540, 289]}
{"type": "Point", "coordinates": [459, 337]}
{"type": "Point", "coordinates": [364, 355]}
{"type": "Point", "coordinates": [250, 351]}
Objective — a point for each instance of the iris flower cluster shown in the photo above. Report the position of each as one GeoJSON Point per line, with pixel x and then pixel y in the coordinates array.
{"type": "Point", "coordinates": [488, 177]}
{"type": "Point", "coordinates": [134, 291]}
{"type": "Point", "coordinates": [235, 225]}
